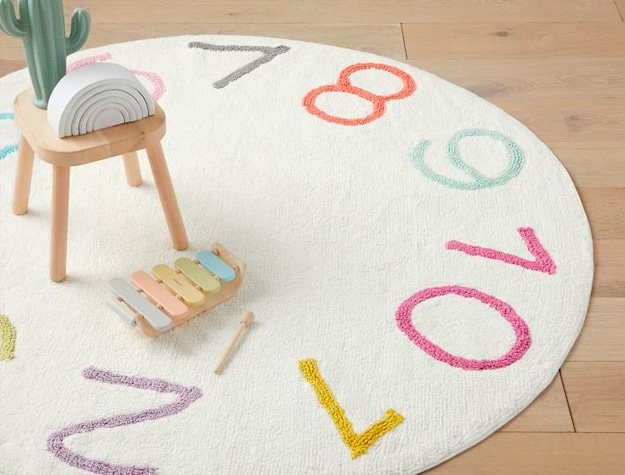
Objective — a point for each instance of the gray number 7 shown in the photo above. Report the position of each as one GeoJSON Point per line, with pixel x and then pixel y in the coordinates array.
{"type": "Point", "coordinates": [269, 54]}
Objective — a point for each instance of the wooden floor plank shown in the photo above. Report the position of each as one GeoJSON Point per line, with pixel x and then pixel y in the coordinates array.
{"type": "Point", "coordinates": [569, 120]}
{"type": "Point", "coordinates": [585, 77]}
{"type": "Point", "coordinates": [509, 40]}
{"type": "Point", "coordinates": [548, 413]}
{"type": "Point", "coordinates": [351, 11]}
{"type": "Point", "coordinates": [605, 208]}
{"type": "Point", "coordinates": [593, 164]}
{"type": "Point", "coordinates": [596, 394]}
{"type": "Point", "coordinates": [603, 335]}
{"type": "Point", "coordinates": [7, 67]}
{"type": "Point", "coordinates": [620, 4]}
{"type": "Point", "coordinates": [540, 454]}
{"type": "Point", "coordinates": [385, 40]}
{"type": "Point", "coordinates": [609, 268]}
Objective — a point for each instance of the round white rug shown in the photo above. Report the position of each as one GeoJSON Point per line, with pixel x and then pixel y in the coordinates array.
{"type": "Point", "coordinates": [419, 264]}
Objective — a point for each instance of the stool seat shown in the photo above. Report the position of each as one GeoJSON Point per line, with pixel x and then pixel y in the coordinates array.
{"type": "Point", "coordinates": [37, 137]}
{"type": "Point", "coordinates": [82, 149]}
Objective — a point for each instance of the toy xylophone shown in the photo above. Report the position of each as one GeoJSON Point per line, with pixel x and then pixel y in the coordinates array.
{"type": "Point", "coordinates": [170, 296]}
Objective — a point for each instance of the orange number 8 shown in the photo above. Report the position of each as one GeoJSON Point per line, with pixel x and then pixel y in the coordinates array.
{"type": "Point", "coordinates": [344, 85]}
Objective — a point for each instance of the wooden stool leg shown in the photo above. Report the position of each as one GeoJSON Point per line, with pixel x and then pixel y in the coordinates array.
{"type": "Point", "coordinates": [60, 207]}
{"type": "Point", "coordinates": [167, 196]}
{"type": "Point", "coordinates": [133, 171]}
{"type": "Point", "coordinates": [23, 177]}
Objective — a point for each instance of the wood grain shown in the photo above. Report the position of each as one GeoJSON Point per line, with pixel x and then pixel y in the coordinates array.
{"type": "Point", "coordinates": [510, 40]}
{"type": "Point", "coordinates": [7, 67]}
{"type": "Point", "coordinates": [596, 393]}
{"type": "Point", "coordinates": [348, 11]}
{"type": "Point", "coordinates": [605, 208]}
{"type": "Point", "coordinates": [609, 268]}
{"type": "Point", "coordinates": [593, 164]}
{"type": "Point", "coordinates": [603, 335]}
{"type": "Point", "coordinates": [548, 413]}
{"type": "Point", "coordinates": [385, 40]}
{"type": "Point", "coordinates": [621, 7]}
{"type": "Point", "coordinates": [540, 454]}
{"type": "Point", "coordinates": [569, 120]}
{"type": "Point", "coordinates": [585, 77]}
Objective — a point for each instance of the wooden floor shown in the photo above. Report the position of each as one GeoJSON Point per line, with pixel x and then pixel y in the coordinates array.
{"type": "Point", "coordinates": [559, 67]}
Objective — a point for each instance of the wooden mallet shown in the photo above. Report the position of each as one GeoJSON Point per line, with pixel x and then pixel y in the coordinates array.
{"type": "Point", "coordinates": [246, 321]}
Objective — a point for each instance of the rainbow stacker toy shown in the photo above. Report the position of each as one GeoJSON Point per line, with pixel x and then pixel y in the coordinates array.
{"type": "Point", "coordinates": [157, 303]}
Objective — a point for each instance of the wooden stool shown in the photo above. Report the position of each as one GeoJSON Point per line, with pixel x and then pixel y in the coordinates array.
{"type": "Point", "coordinates": [38, 138]}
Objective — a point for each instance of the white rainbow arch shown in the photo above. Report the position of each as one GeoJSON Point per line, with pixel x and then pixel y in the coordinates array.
{"type": "Point", "coordinates": [95, 97]}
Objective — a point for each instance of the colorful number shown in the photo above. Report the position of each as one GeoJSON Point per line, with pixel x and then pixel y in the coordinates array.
{"type": "Point", "coordinates": [7, 339]}
{"type": "Point", "coordinates": [515, 158]}
{"type": "Point", "coordinates": [155, 79]}
{"type": "Point", "coordinates": [4, 151]}
{"type": "Point", "coordinates": [542, 263]}
{"type": "Point", "coordinates": [269, 53]}
{"type": "Point", "coordinates": [357, 443]}
{"type": "Point", "coordinates": [521, 330]}
{"type": "Point", "coordinates": [90, 60]}
{"type": "Point", "coordinates": [344, 85]}
{"type": "Point", "coordinates": [186, 396]}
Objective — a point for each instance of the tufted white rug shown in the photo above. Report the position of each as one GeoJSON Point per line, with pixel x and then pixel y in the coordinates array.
{"type": "Point", "coordinates": [419, 264]}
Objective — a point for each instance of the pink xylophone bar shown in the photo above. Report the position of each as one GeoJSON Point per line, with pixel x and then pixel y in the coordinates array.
{"type": "Point", "coordinates": [172, 296]}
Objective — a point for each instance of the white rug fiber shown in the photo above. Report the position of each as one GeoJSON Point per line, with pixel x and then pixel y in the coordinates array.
{"type": "Point", "coordinates": [433, 258]}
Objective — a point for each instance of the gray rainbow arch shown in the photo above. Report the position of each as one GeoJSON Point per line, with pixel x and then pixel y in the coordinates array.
{"type": "Point", "coordinates": [95, 97]}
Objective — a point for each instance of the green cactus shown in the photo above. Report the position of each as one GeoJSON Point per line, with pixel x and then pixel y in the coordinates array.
{"type": "Point", "coordinates": [41, 26]}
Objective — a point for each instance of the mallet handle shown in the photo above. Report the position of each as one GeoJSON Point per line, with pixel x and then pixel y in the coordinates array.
{"type": "Point", "coordinates": [246, 321]}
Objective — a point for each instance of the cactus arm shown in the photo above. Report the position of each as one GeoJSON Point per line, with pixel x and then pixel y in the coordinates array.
{"type": "Point", "coordinates": [9, 23]}
{"type": "Point", "coordinates": [79, 31]}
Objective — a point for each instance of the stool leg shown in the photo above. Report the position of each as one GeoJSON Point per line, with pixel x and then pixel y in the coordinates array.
{"type": "Point", "coordinates": [133, 171]}
{"type": "Point", "coordinates": [60, 207]}
{"type": "Point", "coordinates": [23, 177]}
{"type": "Point", "coordinates": [167, 196]}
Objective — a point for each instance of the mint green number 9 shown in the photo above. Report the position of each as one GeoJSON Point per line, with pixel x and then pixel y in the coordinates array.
{"type": "Point", "coordinates": [515, 161]}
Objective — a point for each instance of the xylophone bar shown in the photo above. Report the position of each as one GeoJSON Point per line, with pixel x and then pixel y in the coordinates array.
{"type": "Point", "coordinates": [169, 297]}
{"type": "Point", "coordinates": [131, 297]}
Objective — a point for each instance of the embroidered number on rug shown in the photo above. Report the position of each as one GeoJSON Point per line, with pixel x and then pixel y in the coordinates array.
{"type": "Point", "coordinates": [521, 330]}
{"type": "Point", "coordinates": [542, 263]}
{"type": "Point", "coordinates": [7, 339]}
{"type": "Point", "coordinates": [269, 53]}
{"type": "Point", "coordinates": [344, 85]}
{"type": "Point", "coordinates": [155, 79]}
{"type": "Point", "coordinates": [357, 443]}
{"type": "Point", "coordinates": [4, 151]}
{"type": "Point", "coordinates": [186, 396]}
{"type": "Point", "coordinates": [515, 161]}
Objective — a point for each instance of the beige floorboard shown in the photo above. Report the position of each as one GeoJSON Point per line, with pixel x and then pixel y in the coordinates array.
{"type": "Point", "coordinates": [621, 7]}
{"type": "Point", "coordinates": [605, 208]}
{"type": "Point", "coordinates": [548, 413]}
{"type": "Point", "coordinates": [596, 394]}
{"type": "Point", "coordinates": [513, 40]}
{"type": "Point", "coordinates": [593, 164]}
{"type": "Point", "coordinates": [571, 77]}
{"type": "Point", "coordinates": [562, 119]}
{"type": "Point", "coordinates": [541, 454]}
{"type": "Point", "coordinates": [603, 335]}
{"type": "Point", "coordinates": [609, 268]}
{"type": "Point", "coordinates": [350, 11]}
{"type": "Point", "coordinates": [385, 40]}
